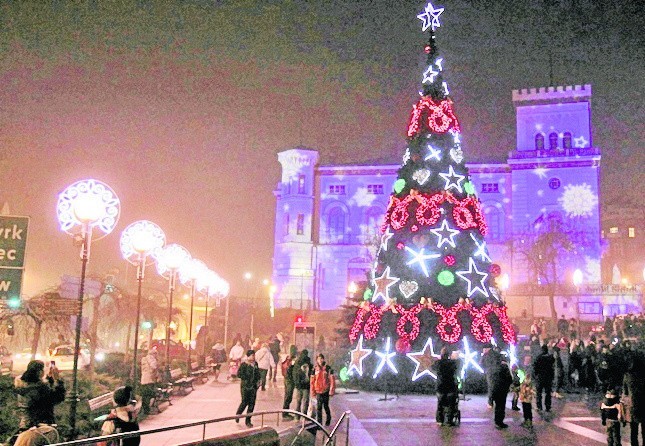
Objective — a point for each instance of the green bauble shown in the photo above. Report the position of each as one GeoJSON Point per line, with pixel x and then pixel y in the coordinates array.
{"type": "Point", "coordinates": [446, 278]}
{"type": "Point", "coordinates": [399, 185]}
{"type": "Point", "coordinates": [469, 188]}
{"type": "Point", "coordinates": [344, 376]}
{"type": "Point", "coordinates": [367, 295]}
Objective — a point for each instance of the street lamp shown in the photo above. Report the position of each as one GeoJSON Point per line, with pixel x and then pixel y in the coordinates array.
{"type": "Point", "coordinates": [577, 278]}
{"type": "Point", "coordinates": [352, 289]}
{"type": "Point", "coordinates": [247, 278]}
{"type": "Point", "coordinates": [138, 241]}
{"type": "Point", "coordinates": [504, 282]}
{"type": "Point", "coordinates": [82, 207]}
{"type": "Point", "coordinates": [169, 259]}
{"type": "Point", "coordinates": [192, 273]}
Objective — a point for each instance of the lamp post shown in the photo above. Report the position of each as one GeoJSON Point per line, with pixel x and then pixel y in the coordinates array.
{"type": "Point", "coordinates": [577, 281]}
{"type": "Point", "coordinates": [138, 241]}
{"type": "Point", "coordinates": [82, 207]}
{"type": "Point", "coordinates": [247, 278]}
{"type": "Point", "coordinates": [352, 289]}
{"type": "Point", "coordinates": [169, 259]}
{"type": "Point", "coordinates": [192, 273]}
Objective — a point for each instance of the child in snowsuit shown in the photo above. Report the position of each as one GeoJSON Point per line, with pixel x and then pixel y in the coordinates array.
{"type": "Point", "coordinates": [611, 413]}
{"type": "Point", "coordinates": [526, 397]}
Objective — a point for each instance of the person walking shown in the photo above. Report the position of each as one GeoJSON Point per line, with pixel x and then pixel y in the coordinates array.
{"type": "Point", "coordinates": [544, 371]}
{"type": "Point", "coordinates": [634, 396]}
{"type": "Point", "coordinates": [323, 386]}
{"type": "Point", "coordinates": [489, 359]}
{"type": "Point", "coordinates": [274, 348]}
{"type": "Point", "coordinates": [123, 418]}
{"type": "Point", "coordinates": [149, 378]}
{"type": "Point", "coordinates": [611, 414]}
{"type": "Point", "coordinates": [265, 363]}
{"type": "Point", "coordinates": [501, 382]}
{"type": "Point", "coordinates": [302, 371]}
{"type": "Point", "coordinates": [287, 373]}
{"type": "Point", "coordinates": [446, 388]}
{"type": "Point", "coordinates": [249, 374]}
{"type": "Point", "coordinates": [526, 396]}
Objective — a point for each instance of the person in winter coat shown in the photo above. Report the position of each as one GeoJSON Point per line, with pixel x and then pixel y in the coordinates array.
{"type": "Point", "coordinates": [526, 396]}
{"type": "Point", "coordinates": [490, 358]}
{"type": "Point", "coordinates": [634, 396]}
{"type": "Point", "coordinates": [559, 372]}
{"type": "Point", "coordinates": [287, 372]}
{"type": "Point", "coordinates": [236, 355]}
{"type": "Point", "coordinates": [322, 386]}
{"type": "Point", "coordinates": [518, 376]}
{"type": "Point", "coordinates": [37, 397]}
{"type": "Point", "coordinates": [123, 418]}
{"type": "Point", "coordinates": [149, 378]}
{"type": "Point", "coordinates": [250, 377]}
{"type": "Point", "coordinates": [611, 413]}
{"type": "Point", "coordinates": [501, 382]}
{"type": "Point", "coordinates": [265, 363]}
{"type": "Point", "coordinates": [218, 355]}
{"type": "Point", "coordinates": [302, 371]}
{"type": "Point", "coordinates": [274, 348]}
{"type": "Point", "coordinates": [446, 388]}
{"type": "Point", "coordinates": [544, 371]}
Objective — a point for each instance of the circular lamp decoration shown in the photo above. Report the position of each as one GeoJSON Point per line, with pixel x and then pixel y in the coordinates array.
{"type": "Point", "coordinates": [193, 271]}
{"type": "Point", "coordinates": [88, 204]}
{"type": "Point", "coordinates": [170, 259]}
{"type": "Point", "coordinates": [577, 277]}
{"type": "Point", "coordinates": [217, 286]}
{"type": "Point", "coordinates": [141, 239]}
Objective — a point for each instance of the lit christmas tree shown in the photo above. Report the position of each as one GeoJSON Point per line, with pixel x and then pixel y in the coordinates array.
{"type": "Point", "coordinates": [433, 282]}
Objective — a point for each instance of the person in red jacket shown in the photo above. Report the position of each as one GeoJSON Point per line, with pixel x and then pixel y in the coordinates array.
{"type": "Point", "coordinates": [323, 385]}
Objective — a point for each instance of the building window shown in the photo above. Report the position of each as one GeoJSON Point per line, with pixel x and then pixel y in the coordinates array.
{"type": "Point", "coordinates": [631, 233]}
{"type": "Point", "coordinates": [539, 141]}
{"type": "Point", "coordinates": [613, 230]}
{"type": "Point", "coordinates": [566, 140]}
{"type": "Point", "coordinates": [374, 217]}
{"type": "Point", "coordinates": [336, 224]}
{"type": "Point", "coordinates": [300, 224]}
{"type": "Point", "coordinates": [490, 188]}
{"type": "Point", "coordinates": [495, 222]}
{"type": "Point", "coordinates": [554, 183]}
{"type": "Point", "coordinates": [301, 184]}
{"type": "Point", "coordinates": [285, 227]}
{"type": "Point", "coordinates": [553, 141]}
{"type": "Point", "coordinates": [337, 189]}
{"type": "Point", "coordinates": [590, 308]}
{"type": "Point", "coordinates": [375, 189]}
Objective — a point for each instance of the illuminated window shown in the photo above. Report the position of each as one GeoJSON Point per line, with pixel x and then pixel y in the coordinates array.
{"type": "Point", "coordinates": [375, 189]}
{"type": "Point", "coordinates": [613, 230]}
{"type": "Point", "coordinates": [554, 183]}
{"type": "Point", "coordinates": [631, 232]}
{"type": "Point", "coordinates": [337, 189]}
{"type": "Point", "coordinates": [301, 184]}
{"type": "Point", "coordinates": [285, 227]}
{"type": "Point", "coordinates": [566, 140]}
{"type": "Point", "coordinates": [553, 141]}
{"type": "Point", "coordinates": [490, 188]}
{"type": "Point", "coordinates": [300, 224]}
{"type": "Point", "coordinates": [539, 141]}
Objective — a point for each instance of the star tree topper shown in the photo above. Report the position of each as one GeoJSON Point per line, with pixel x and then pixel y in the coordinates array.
{"type": "Point", "coordinates": [430, 17]}
{"type": "Point", "coordinates": [357, 357]}
{"type": "Point", "coordinates": [424, 360]}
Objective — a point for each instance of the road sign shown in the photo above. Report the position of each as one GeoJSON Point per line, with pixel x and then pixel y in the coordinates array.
{"type": "Point", "coordinates": [13, 241]}
{"type": "Point", "coordinates": [10, 283]}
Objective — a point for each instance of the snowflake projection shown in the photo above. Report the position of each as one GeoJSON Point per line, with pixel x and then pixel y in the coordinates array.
{"type": "Point", "coordinates": [592, 269]}
{"type": "Point", "coordinates": [578, 200]}
{"type": "Point", "coordinates": [362, 198]}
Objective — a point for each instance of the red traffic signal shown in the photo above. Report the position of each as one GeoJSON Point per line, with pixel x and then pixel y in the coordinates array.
{"type": "Point", "coordinates": [300, 319]}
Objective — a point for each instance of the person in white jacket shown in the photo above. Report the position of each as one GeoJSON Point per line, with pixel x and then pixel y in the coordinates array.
{"type": "Point", "coordinates": [235, 355]}
{"type": "Point", "coordinates": [265, 361]}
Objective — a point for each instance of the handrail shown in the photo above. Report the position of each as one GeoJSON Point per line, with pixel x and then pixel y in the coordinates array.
{"type": "Point", "coordinates": [121, 436]}
{"type": "Point", "coordinates": [332, 434]}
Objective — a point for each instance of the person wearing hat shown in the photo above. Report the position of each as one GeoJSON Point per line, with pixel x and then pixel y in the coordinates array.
{"type": "Point", "coordinates": [123, 418]}
{"type": "Point", "coordinates": [611, 414]}
{"type": "Point", "coordinates": [250, 377]}
{"type": "Point", "coordinates": [323, 385]}
{"type": "Point", "coordinates": [302, 371]}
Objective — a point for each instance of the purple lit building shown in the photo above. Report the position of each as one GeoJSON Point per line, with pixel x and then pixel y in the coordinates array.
{"type": "Point", "coordinates": [328, 217]}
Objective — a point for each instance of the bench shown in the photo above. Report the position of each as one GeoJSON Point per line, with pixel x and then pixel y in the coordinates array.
{"type": "Point", "coordinates": [98, 403]}
{"type": "Point", "coordinates": [199, 373]}
{"type": "Point", "coordinates": [163, 392]}
{"type": "Point", "coordinates": [182, 383]}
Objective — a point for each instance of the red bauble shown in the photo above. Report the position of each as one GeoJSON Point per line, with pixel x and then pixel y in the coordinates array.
{"type": "Point", "coordinates": [427, 49]}
{"type": "Point", "coordinates": [495, 270]}
{"type": "Point", "coordinates": [449, 260]}
{"type": "Point", "coordinates": [400, 245]}
{"type": "Point", "coordinates": [402, 346]}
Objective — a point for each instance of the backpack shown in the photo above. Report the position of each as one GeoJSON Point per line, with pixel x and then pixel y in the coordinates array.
{"type": "Point", "coordinates": [285, 366]}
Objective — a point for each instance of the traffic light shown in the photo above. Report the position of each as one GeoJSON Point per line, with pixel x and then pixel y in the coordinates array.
{"type": "Point", "coordinates": [10, 330]}
{"type": "Point", "coordinates": [146, 325]}
{"type": "Point", "coordinates": [14, 302]}
{"type": "Point", "coordinates": [300, 319]}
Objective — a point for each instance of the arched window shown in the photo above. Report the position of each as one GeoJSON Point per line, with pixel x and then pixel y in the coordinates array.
{"type": "Point", "coordinates": [336, 221]}
{"type": "Point", "coordinates": [539, 141]}
{"type": "Point", "coordinates": [494, 216]}
{"type": "Point", "coordinates": [374, 219]}
{"type": "Point", "coordinates": [566, 140]}
{"type": "Point", "coordinates": [553, 141]}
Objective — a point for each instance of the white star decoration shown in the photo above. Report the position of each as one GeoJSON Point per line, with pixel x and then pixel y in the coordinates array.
{"type": "Point", "coordinates": [434, 153]}
{"type": "Point", "coordinates": [358, 355]}
{"type": "Point", "coordinates": [467, 276]}
{"type": "Point", "coordinates": [386, 359]}
{"type": "Point", "coordinates": [429, 75]}
{"type": "Point", "coordinates": [444, 84]}
{"type": "Point", "coordinates": [450, 182]}
{"type": "Point", "coordinates": [406, 156]}
{"type": "Point", "coordinates": [387, 235]}
{"type": "Point", "coordinates": [425, 362]}
{"type": "Point", "coordinates": [469, 359]}
{"type": "Point", "coordinates": [446, 234]}
{"type": "Point", "coordinates": [420, 258]}
{"type": "Point", "coordinates": [481, 249]}
{"type": "Point", "coordinates": [382, 285]}
{"type": "Point", "coordinates": [511, 353]}
{"type": "Point", "coordinates": [439, 64]}
{"type": "Point", "coordinates": [430, 17]}
{"type": "Point", "coordinates": [580, 142]}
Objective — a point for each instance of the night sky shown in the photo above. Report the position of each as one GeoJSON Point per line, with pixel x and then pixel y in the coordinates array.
{"type": "Point", "coordinates": [182, 106]}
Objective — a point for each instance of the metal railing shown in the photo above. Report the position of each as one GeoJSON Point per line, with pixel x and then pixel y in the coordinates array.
{"type": "Point", "coordinates": [307, 421]}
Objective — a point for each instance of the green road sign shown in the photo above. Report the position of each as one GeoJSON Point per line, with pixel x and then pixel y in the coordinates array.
{"type": "Point", "coordinates": [13, 240]}
{"type": "Point", "coordinates": [10, 283]}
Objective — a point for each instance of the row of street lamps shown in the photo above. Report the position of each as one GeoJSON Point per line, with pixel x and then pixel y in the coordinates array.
{"type": "Point", "coordinates": [90, 207]}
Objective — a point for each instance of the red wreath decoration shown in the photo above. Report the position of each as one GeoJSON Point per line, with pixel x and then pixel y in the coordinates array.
{"type": "Point", "coordinates": [438, 117]}
{"type": "Point", "coordinates": [448, 327]}
{"type": "Point", "coordinates": [480, 327]}
{"type": "Point", "coordinates": [359, 320]}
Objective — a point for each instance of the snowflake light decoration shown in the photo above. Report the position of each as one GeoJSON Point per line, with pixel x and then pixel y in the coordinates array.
{"type": "Point", "coordinates": [578, 200]}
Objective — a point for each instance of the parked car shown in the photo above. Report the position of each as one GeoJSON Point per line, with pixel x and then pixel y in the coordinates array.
{"type": "Point", "coordinates": [177, 351]}
{"type": "Point", "coordinates": [63, 356]}
{"type": "Point", "coordinates": [6, 360]}
{"type": "Point", "coordinates": [22, 358]}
